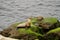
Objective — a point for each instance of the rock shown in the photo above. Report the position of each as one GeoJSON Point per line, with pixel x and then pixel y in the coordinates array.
{"type": "Point", "coordinates": [5, 32]}
{"type": "Point", "coordinates": [14, 34]}
{"type": "Point", "coordinates": [40, 18]}
{"type": "Point", "coordinates": [31, 29]}
{"type": "Point", "coordinates": [49, 23]}
{"type": "Point", "coordinates": [6, 38]}
{"type": "Point", "coordinates": [10, 32]}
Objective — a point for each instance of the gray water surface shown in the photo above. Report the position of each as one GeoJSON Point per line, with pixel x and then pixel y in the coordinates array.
{"type": "Point", "coordinates": [12, 11]}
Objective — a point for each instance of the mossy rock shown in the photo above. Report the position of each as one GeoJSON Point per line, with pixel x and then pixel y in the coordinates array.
{"type": "Point", "coordinates": [35, 30]}
{"type": "Point", "coordinates": [49, 22]}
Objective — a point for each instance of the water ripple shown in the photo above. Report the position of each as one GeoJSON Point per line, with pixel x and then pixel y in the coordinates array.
{"type": "Point", "coordinates": [57, 5]}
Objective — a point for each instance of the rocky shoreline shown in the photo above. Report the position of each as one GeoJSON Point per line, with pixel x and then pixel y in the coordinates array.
{"type": "Point", "coordinates": [40, 28]}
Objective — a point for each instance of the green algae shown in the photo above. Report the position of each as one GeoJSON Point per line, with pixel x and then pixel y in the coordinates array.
{"type": "Point", "coordinates": [56, 30]}
{"type": "Point", "coordinates": [50, 20]}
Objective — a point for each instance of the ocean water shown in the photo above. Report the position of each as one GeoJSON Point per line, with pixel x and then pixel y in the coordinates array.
{"type": "Point", "coordinates": [12, 11]}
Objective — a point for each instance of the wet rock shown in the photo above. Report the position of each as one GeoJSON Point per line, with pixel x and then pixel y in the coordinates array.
{"type": "Point", "coordinates": [10, 33]}
{"type": "Point", "coordinates": [14, 34]}
{"type": "Point", "coordinates": [5, 32]}
{"type": "Point", "coordinates": [52, 36]}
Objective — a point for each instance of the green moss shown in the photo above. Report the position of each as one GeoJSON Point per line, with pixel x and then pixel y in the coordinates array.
{"type": "Point", "coordinates": [36, 39]}
{"type": "Point", "coordinates": [29, 31]}
{"type": "Point", "coordinates": [22, 31]}
{"type": "Point", "coordinates": [33, 27]}
{"type": "Point", "coordinates": [36, 30]}
{"type": "Point", "coordinates": [34, 20]}
{"type": "Point", "coordinates": [54, 30]}
{"type": "Point", "coordinates": [50, 20]}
